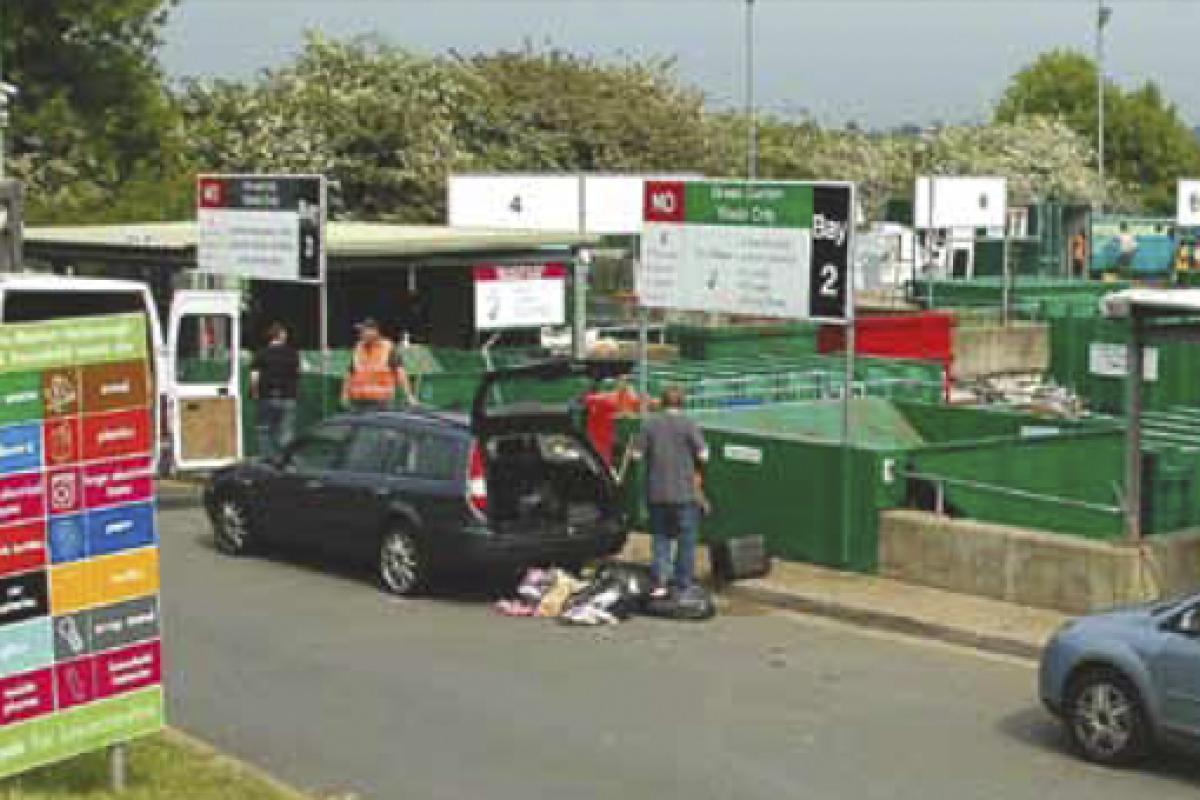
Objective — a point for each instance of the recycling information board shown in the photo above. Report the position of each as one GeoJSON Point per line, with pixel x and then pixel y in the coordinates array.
{"type": "Point", "coordinates": [266, 227]}
{"type": "Point", "coordinates": [760, 248]}
{"type": "Point", "coordinates": [511, 296]}
{"type": "Point", "coordinates": [80, 653]}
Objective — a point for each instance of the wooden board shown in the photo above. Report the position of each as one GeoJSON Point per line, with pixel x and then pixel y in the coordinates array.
{"type": "Point", "coordinates": [208, 428]}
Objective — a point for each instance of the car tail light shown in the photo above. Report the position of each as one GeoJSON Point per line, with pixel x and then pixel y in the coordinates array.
{"type": "Point", "coordinates": [477, 493]}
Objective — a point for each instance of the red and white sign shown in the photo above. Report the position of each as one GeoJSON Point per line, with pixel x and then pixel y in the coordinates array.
{"type": "Point", "coordinates": [520, 296]}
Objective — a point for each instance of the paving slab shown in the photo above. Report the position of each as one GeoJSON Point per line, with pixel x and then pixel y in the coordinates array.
{"type": "Point", "coordinates": [979, 622]}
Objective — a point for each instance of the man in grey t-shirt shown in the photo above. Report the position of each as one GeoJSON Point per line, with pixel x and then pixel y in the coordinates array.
{"type": "Point", "coordinates": [674, 453]}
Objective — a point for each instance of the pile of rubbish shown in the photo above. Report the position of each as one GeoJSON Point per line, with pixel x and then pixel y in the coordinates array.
{"type": "Point", "coordinates": [1031, 393]}
{"type": "Point", "coordinates": [613, 594]}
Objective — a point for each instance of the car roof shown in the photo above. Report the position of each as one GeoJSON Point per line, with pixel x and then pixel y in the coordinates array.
{"type": "Point", "coordinates": [424, 416]}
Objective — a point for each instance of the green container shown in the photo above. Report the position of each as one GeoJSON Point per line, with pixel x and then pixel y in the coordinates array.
{"type": "Point", "coordinates": [743, 341]}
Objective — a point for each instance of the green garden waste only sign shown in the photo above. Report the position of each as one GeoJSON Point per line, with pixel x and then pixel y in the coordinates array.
{"type": "Point", "coordinates": [758, 248]}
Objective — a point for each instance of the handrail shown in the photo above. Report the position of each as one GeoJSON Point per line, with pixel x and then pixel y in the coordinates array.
{"type": "Point", "coordinates": [1013, 492]}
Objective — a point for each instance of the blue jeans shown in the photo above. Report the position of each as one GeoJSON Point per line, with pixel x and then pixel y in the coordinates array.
{"type": "Point", "coordinates": [678, 523]}
{"type": "Point", "coordinates": [275, 424]}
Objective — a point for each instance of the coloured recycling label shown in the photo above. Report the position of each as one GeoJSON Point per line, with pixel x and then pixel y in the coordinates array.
{"type": "Point", "coordinates": [80, 648]}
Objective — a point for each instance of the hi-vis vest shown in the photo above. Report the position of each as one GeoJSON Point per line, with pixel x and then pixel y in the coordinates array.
{"type": "Point", "coordinates": [372, 377]}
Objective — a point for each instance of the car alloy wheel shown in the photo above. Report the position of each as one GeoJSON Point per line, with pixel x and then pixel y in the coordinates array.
{"type": "Point", "coordinates": [400, 568]}
{"type": "Point", "coordinates": [1106, 719]}
{"type": "Point", "coordinates": [233, 527]}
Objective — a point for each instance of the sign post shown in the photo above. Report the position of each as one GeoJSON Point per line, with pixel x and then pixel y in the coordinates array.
{"type": "Point", "coordinates": [756, 248]}
{"type": "Point", "coordinates": [80, 647]}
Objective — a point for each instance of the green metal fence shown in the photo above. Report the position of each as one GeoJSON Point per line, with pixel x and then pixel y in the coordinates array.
{"type": "Point", "coordinates": [729, 383]}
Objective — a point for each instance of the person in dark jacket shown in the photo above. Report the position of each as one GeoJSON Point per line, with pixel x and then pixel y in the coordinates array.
{"type": "Point", "coordinates": [274, 376]}
{"type": "Point", "coordinates": [674, 453]}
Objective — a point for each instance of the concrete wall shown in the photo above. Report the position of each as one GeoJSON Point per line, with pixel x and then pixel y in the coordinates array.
{"type": "Point", "coordinates": [1034, 568]}
{"type": "Point", "coordinates": [995, 349]}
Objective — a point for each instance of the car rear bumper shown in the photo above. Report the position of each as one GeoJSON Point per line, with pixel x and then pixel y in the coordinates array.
{"type": "Point", "coordinates": [484, 547]}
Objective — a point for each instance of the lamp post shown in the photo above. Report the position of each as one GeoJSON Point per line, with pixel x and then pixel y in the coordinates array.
{"type": "Point", "coordinates": [1103, 15]}
{"type": "Point", "coordinates": [751, 111]}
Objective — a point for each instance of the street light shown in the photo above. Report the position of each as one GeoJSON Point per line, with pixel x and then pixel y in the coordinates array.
{"type": "Point", "coordinates": [751, 120]}
{"type": "Point", "coordinates": [1103, 15]}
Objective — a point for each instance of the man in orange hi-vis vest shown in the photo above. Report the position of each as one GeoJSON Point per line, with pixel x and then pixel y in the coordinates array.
{"type": "Point", "coordinates": [376, 372]}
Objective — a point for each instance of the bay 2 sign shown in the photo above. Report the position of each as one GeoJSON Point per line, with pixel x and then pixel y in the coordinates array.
{"type": "Point", "coordinates": [762, 249]}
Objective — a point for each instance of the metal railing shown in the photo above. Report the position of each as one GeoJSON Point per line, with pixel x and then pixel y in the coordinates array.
{"type": "Point", "coordinates": [940, 482]}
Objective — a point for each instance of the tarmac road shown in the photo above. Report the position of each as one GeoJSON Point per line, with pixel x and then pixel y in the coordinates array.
{"type": "Point", "coordinates": [337, 688]}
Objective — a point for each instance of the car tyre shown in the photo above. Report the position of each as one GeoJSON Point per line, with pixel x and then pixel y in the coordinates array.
{"type": "Point", "coordinates": [402, 568]}
{"type": "Point", "coordinates": [1105, 719]}
{"type": "Point", "coordinates": [233, 526]}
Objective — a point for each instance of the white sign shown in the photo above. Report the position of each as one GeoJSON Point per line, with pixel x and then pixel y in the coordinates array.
{"type": "Point", "coordinates": [606, 205]}
{"type": "Point", "coordinates": [515, 202]}
{"type": "Point", "coordinates": [527, 296]}
{"type": "Point", "coordinates": [763, 248]}
{"type": "Point", "coordinates": [1112, 361]}
{"type": "Point", "coordinates": [1188, 203]}
{"type": "Point", "coordinates": [265, 227]}
{"type": "Point", "coordinates": [749, 271]}
{"type": "Point", "coordinates": [959, 202]}
{"type": "Point", "coordinates": [613, 203]}
{"type": "Point", "coordinates": [743, 454]}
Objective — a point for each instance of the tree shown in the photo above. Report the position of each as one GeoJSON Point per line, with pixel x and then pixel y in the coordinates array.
{"type": "Point", "coordinates": [389, 126]}
{"type": "Point", "coordinates": [91, 121]}
{"type": "Point", "coordinates": [1147, 146]}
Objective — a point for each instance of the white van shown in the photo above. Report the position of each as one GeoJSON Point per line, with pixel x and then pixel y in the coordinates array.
{"type": "Point", "coordinates": [196, 358]}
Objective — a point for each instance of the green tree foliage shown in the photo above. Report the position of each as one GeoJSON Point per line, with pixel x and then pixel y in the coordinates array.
{"type": "Point", "coordinates": [1147, 146]}
{"type": "Point", "coordinates": [389, 126]}
{"type": "Point", "coordinates": [93, 134]}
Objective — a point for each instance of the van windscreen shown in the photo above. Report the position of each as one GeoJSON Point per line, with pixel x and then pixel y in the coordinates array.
{"type": "Point", "coordinates": [38, 306]}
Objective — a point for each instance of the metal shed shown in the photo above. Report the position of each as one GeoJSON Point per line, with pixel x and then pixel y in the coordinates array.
{"type": "Point", "coordinates": [414, 278]}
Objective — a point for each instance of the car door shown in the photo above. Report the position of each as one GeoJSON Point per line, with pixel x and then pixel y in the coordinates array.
{"type": "Point", "coordinates": [203, 383]}
{"type": "Point", "coordinates": [357, 493]}
{"type": "Point", "coordinates": [1177, 673]}
{"type": "Point", "coordinates": [297, 500]}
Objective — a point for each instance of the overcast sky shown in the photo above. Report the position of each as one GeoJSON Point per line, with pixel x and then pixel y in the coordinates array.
{"type": "Point", "coordinates": [878, 62]}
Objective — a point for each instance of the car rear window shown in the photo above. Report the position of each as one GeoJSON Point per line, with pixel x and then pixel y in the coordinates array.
{"type": "Point", "coordinates": [438, 458]}
{"type": "Point", "coordinates": [369, 449]}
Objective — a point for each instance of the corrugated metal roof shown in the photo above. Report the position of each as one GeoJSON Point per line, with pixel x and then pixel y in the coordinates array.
{"type": "Point", "coordinates": [346, 239]}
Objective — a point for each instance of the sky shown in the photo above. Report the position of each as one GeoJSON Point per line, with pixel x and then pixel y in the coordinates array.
{"type": "Point", "coordinates": [878, 63]}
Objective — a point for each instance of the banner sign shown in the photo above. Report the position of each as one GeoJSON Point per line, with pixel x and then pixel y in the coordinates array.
{"type": "Point", "coordinates": [511, 296]}
{"type": "Point", "coordinates": [80, 652]}
{"type": "Point", "coordinates": [606, 205]}
{"type": "Point", "coordinates": [952, 201]}
{"type": "Point", "coordinates": [763, 249]}
{"type": "Point", "coordinates": [266, 227]}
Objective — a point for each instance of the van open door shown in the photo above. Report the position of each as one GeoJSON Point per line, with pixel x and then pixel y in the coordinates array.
{"type": "Point", "coordinates": [204, 388]}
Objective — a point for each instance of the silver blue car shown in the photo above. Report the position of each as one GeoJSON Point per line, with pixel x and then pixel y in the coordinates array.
{"type": "Point", "coordinates": [1125, 682]}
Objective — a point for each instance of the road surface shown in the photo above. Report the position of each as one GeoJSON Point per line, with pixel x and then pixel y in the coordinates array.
{"type": "Point", "coordinates": [335, 687]}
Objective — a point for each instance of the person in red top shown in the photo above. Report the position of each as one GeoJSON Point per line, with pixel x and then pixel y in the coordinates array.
{"type": "Point", "coordinates": [603, 408]}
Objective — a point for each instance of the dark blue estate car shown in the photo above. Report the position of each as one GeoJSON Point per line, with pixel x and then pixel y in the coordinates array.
{"type": "Point", "coordinates": [419, 492]}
